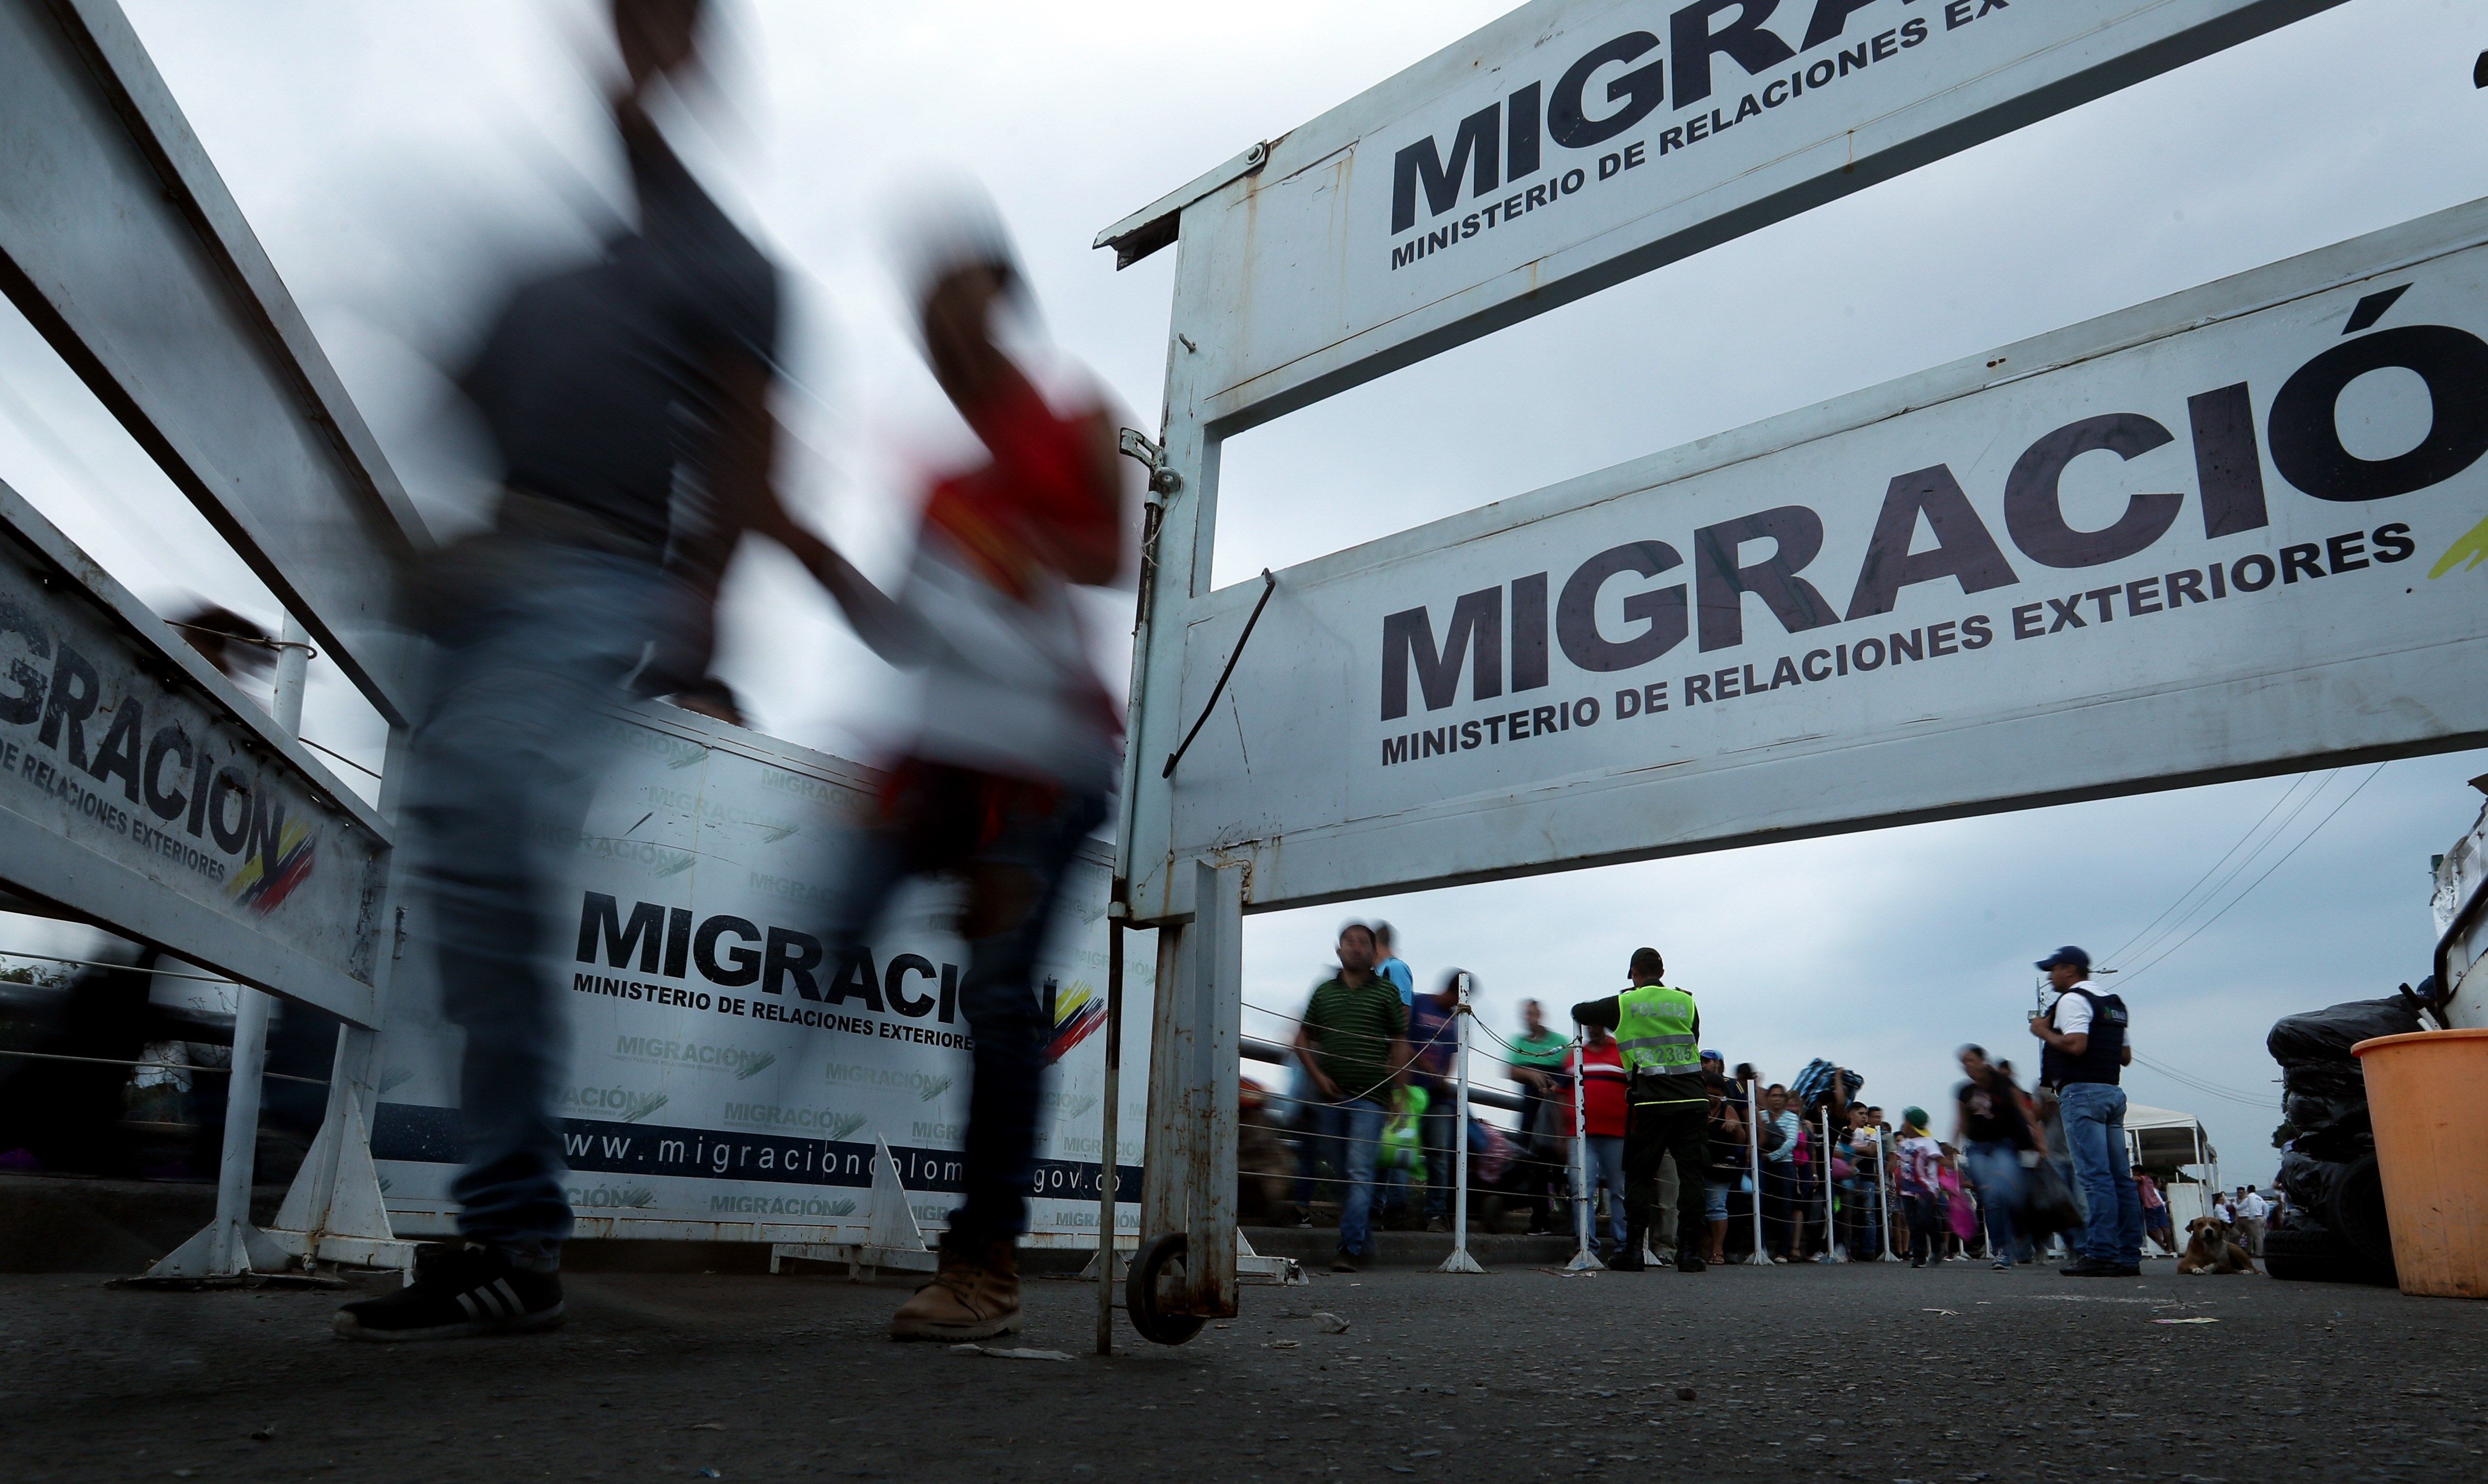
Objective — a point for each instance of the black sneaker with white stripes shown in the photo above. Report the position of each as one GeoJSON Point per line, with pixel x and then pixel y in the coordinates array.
{"type": "Point", "coordinates": [460, 1289]}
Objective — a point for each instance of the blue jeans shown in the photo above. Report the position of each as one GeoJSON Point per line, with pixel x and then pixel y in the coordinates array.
{"type": "Point", "coordinates": [1353, 1130]}
{"type": "Point", "coordinates": [1312, 1147]}
{"type": "Point", "coordinates": [1995, 1171]}
{"type": "Point", "coordinates": [503, 765]}
{"type": "Point", "coordinates": [1606, 1161]}
{"type": "Point", "coordinates": [2095, 1135]}
{"type": "Point", "coordinates": [1012, 842]}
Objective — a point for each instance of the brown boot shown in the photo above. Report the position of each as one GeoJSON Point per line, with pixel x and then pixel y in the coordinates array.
{"type": "Point", "coordinates": [975, 1297]}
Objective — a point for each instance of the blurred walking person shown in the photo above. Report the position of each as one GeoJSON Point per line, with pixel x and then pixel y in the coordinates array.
{"type": "Point", "coordinates": [1541, 1062]}
{"type": "Point", "coordinates": [1015, 739]}
{"type": "Point", "coordinates": [1998, 1138]}
{"type": "Point", "coordinates": [607, 389]}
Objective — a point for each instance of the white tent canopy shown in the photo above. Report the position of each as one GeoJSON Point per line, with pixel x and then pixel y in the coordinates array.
{"type": "Point", "coordinates": [2165, 1139]}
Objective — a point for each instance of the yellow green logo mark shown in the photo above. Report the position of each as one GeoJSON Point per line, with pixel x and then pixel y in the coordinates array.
{"type": "Point", "coordinates": [2473, 545]}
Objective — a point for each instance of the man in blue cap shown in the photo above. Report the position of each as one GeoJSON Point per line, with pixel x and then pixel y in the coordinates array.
{"type": "Point", "coordinates": [2084, 1034]}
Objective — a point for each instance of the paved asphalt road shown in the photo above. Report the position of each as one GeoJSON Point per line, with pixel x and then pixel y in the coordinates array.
{"type": "Point", "coordinates": [1872, 1373]}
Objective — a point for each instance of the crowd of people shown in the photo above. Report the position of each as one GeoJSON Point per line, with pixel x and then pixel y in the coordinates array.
{"type": "Point", "coordinates": [1673, 1155]}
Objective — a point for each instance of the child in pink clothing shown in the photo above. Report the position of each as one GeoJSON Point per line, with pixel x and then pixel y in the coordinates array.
{"type": "Point", "coordinates": [1959, 1213]}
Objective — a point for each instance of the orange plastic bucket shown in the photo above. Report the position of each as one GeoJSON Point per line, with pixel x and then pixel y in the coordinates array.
{"type": "Point", "coordinates": [2425, 1092]}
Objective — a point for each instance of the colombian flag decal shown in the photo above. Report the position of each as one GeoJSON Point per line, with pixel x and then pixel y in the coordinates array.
{"type": "Point", "coordinates": [272, 871]}
{"type": "Point", "coordinates": [1078, 1015]}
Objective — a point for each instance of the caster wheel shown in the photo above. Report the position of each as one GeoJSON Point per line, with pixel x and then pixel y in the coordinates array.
{"type": "Point", "coordinates": [1141, 1292]}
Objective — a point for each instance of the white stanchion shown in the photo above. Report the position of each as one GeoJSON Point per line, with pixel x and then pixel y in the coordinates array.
{"type": "Point", "coordinates": [1831, 1252]}
{"type": "Point", "coordinates": [1884, 1178]}
{"type": "Point", "coordinates": [1583, 1259]}
{"type": "Point", "coordinates": [1760, 1256]}
{"type": "Point", "coordinates": [1460, 1261]}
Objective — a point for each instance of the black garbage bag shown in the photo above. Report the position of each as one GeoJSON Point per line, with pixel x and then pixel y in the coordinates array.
{"type": "Point", "coordinates": [2308, 1182]}
{"type": "Point", "coordinates": [2307, 1111]}
{"type": "Point", "coordinates": [2301, 1250]}
{"type": "Point", "coordinates": [2328, 1081]}
{"type": "Point", "coordinates": [2344, 1138]}
{"type": "Point", "coordinates": [2346, 1198]}
{"type": "Point", "coordinates": [2326, 1035]}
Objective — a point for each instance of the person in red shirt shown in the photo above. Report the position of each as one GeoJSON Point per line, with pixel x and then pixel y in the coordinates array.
{"type": "Point", "coordinates": [1602, 1080]}
{"type": "Point", "coordinates": [1015, 740]}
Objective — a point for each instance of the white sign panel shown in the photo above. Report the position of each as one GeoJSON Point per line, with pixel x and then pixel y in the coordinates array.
{"type": "Point", "coordinates": [723, 1080]}
{"type": "Point", "coordinates": [139, 788]}
{"type": "Point", "coordinates": [1576, 143]}
{"type": "Point", "coordinates": [2230, 532]}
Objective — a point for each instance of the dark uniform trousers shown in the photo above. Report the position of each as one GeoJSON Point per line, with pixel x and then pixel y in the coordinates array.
{"type": "Point", "coordinates": [1659, 1130]}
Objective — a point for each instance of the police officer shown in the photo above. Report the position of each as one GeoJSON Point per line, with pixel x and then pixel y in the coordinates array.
{"type": "Point", "coordinates": [1660, 1031]}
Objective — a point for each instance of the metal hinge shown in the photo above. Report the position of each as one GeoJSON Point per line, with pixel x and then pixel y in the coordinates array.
{"type": "Point", "coordinates": [1164, 482]}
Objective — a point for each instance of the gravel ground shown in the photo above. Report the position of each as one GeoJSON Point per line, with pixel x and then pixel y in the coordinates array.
{"type": "Point", "coordinates": [1868, 1372]}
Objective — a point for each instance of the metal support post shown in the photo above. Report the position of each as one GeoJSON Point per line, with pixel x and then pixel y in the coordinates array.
{"type": "Point", "coordinates": [1761, 1256]}
{"type": "Point", "coordinates": [1217, 987]}
{"type": "Point", "coordinates": [1163, 1146]}
{"type": "Point", "coordinates": [1582, 1258]}
{"type": "Point", "coordinates": [1822, 1162]}
{"type": "Point", "coordinates": [1188, 1183]}
{"type": "Point", "coordinates": [1460, 1261]}
{"type": "Point", "coordinates": [293, 675]}
{"type": "Point", "coordinates": [1114, 1092]}
{"type": "Point", "coordinates": [230, 1245]}
{"type": "Point", "coordinates": [335, 1211]}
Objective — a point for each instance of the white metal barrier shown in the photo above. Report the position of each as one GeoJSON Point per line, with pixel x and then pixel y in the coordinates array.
{"type": "Point", "coordinates": [1761, 1256]}
{"type": "Point", "coordinates": [1459, 1260]}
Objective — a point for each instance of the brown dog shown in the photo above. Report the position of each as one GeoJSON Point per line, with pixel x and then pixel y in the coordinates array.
{"type": "Point", "coordinates": [2210, 1248]}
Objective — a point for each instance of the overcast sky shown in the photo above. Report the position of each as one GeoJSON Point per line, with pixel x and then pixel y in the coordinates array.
{"type": "Point", "coordinates": [398, 161]}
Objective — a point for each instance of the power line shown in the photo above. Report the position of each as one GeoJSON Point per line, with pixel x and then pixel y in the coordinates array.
{"type": "Point", "coordinates": [2262, 845]}
{"type": "Point", "coordinates": [2244, 861]}
{"type": "Point", "coordinates": [2118, 952]}
{"type": "Point", "coordinates": [2204, 1085]}
{"type": "Point", "coordinates": [2163, 958]}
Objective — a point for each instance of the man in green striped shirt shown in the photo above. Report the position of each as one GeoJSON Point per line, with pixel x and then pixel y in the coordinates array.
{"type": "Point", "coordinates": [1354, 1044]}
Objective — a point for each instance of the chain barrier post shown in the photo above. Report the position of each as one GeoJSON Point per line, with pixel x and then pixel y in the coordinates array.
{"type": "Point", "coordinates": [1830, 1232]}
{"type": "Point", "coordinates": [1761, 1256]}
{"type": "Point", "coordinates": [1460, 1261]}
{"type": "Point", "coordinates": [1582, 1258]}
